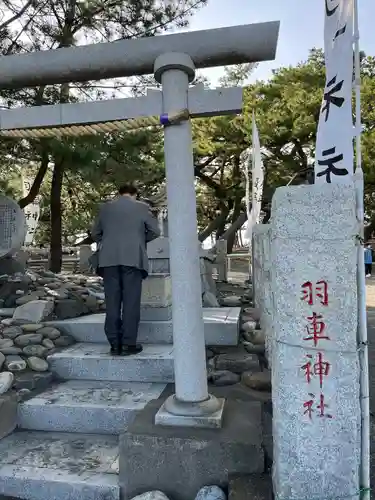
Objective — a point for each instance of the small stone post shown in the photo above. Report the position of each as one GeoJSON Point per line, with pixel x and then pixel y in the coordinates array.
{"type": "Point", "coordinates": [191, 401]}
{"type": "Point", "coordinates": [222, 260]}
{"type": "Point", "coordinates": [85, 253]}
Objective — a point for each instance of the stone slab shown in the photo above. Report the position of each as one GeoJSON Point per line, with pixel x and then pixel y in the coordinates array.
{"type": "Point", "coordinates": [8, 414]}
{"type": "Point", "coordinates": [149, 313]}
{"type": "Point", "coordinates": [221, 327]}
{"type": "Point", "coordinates": [87, 406]}
{"type": "Point", "coordinates": [41, 465]}
{"type": "Point", "coordinates": [214, 421]}
{"type": "Point", "coordinates": [157, 290]}
{"type": "Point", "coordinates": [315, 371]}
{"type": "Point", "coordinates": [151, 455]}
{"type": "Point", "coordinates": [93, 362]}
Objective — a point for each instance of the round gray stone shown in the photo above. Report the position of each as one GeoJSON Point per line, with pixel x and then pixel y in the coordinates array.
{"type": "Point", "coordinates": [11, 332]}
{"type": "Point", "coordinates": [222, 378]}
{"type": "Point", "coordinates": [11, 350]}
{"type": "Point", "coordinates": [64, 341]}
{"type": "Point", "coordinates": [151, 495]}
{"type": "Point", "coordinates": [248, 326]}
{"type": "Point", "coordinates": [2, 360]}
{"type": "Point", "coordinates": [28, 338]}
{"type": "Point", "coordinates": [37, 364]}
{"type": "Point", "coordinates": [48, 344]}
{"type": "Point", "coordinates": [15, 363]}
{"type": "Point", "coordinates": [49, 332]}
{"type": "Point", "coordinates": [4, 343]}
{"type": "Point", "coordinates": [7, 321]}
{"type": "Point", "coordinates": [6, 381]}
{"type": "Point", "coordinates": [35, 350]}
{"type": "Point", "coordinates": [211, 493]}
{"type": "Point", "coordinates": [31, 327]}
{"type": "Point", "coordinates": [232, 301]}
{"type": "Point", "coordinates": [260, 381]}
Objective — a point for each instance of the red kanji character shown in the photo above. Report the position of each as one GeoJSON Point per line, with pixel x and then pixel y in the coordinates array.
{"type": "Point", "coordinates": [308, 369]}
{"type": "Point", "coordinates": [308, 405]}
{"type": "Point", "coordinates": [316, 328]}
{"type": "Point", "coordinates": [307, 293]}
{"type": "Point", "coordinates": [321, 291]}
{"type": "Point", "coordinates": [321, 407]}
{"type": "Point", "coordinates": [320, 368]}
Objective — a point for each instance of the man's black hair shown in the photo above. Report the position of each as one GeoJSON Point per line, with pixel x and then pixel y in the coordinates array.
{"type": "Point", "coordinates": [128, 189]}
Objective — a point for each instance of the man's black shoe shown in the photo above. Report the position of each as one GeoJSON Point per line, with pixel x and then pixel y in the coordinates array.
{"type": "Point", "coordinates": [129, 350]}
{"type": "Point", "coordinates": [116, 350]}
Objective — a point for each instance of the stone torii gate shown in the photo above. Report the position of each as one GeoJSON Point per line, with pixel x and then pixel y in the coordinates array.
{"type": "Point", "coordinates": [191, 405]}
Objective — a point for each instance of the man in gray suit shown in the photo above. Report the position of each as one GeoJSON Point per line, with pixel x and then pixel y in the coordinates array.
{"type": "Point", "coordinates": [122, 229]}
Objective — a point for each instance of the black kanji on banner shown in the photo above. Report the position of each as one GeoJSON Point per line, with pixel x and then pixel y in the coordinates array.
{"type": "Point", "coordinates": [339, 32]}
{"type": "Point", "coordinates": [332, 11]}
{"type": "Point", "coordinates": [330, 96]}
{"type": "Point", "coordinates": [330, 164]}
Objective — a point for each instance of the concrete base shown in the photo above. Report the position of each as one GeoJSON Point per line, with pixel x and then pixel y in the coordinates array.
{"type": "Point", "coordinates": [208, 421]}
{"type": "Point", "coordinates": [179, 461]}
{"type": "Point", "coordinates": [251, 487]}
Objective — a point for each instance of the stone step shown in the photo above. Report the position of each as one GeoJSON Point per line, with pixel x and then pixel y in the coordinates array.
{"type": "Point", "coordinates": [85, 361]}
{"type": "Point", "coordinates": [87, 406]}
{"type": "Point", "coordinates": [221, 327]}
{"type": "Point", "coordinates": [48, 465]}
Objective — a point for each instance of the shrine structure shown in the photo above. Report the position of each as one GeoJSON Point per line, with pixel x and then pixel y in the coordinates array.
{"type": "Point", "coordinates": [147, 453]}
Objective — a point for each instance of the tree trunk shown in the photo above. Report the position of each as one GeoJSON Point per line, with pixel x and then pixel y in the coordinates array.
{"type": "Point", "coordinates": [56, 216]}
{"type": "Point", "coordinates": [58, 170]}
{"type": "Point", "coordinates": [232, 236]}
{"type": "Point", "coordinates": [213, 226]}
{"type": "Point", "coordinates": [234, 227]}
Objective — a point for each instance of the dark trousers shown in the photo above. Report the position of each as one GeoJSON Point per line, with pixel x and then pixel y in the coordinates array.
{"type": "Point", "coordinates": [368, 268]}
{"type": "Point", "coordinates": [123, 289]}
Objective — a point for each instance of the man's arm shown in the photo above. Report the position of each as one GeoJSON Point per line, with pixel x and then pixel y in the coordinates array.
{"type": "Point", "coordinates": [151, 226]}
{"type": "Point", "coordinates": [97, 230]}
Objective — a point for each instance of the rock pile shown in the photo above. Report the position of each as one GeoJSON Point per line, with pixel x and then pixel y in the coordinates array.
{"type": "Point", "coordinates": [36, 296]}
{"type": "Point", "coordinates": [27, 301]}
{"type": "Point", "coordinates": [24, 348]}
{"type": "Point", "coordinates": [246, 364]}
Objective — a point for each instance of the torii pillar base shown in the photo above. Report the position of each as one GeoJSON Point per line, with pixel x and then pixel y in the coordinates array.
{"type": "Point", "coordinates": [207, 414]}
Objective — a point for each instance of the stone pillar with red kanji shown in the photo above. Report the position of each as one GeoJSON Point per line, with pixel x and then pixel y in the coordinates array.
{"type": "Point", "coordinates": [315, 369]}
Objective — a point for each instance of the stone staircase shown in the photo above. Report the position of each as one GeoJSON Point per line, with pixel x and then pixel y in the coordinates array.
{"type": "Point", "coordinates": [66, 445]}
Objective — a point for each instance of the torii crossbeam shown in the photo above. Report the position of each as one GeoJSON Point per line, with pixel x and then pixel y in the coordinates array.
{"type": "Point", "coordinates": [192, 405]}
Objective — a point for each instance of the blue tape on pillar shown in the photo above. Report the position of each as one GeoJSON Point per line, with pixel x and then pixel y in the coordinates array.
{"type": "Point", "coordinates": [164, 120]}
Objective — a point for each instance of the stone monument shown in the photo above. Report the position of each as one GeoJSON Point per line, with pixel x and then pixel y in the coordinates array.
{"type": "Point", "coordinates": [12, 235]}
{"type": "Point", "coordinates": [12, 227]}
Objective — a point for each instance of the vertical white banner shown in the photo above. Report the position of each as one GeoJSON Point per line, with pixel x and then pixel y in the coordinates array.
{"type": "Point", "coordinates": [31, 211]}
{"type": "Point", "coordinates": [257, 184]}
{"type": "Point", "coordinates": [334, 143]}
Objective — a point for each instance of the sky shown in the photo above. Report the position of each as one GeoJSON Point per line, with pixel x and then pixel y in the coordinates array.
{"type": "Point", "coordinates": [301, 27]}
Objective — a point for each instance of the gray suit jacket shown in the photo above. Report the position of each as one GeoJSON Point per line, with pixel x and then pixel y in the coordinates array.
{"type": "Point", "coordinates": [122, 229]}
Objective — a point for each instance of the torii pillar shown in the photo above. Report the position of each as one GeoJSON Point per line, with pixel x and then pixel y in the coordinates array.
{"type": "Point", "coordinates": [191, 402]}
{"type": "Point", "coordinates": [191, 405]}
